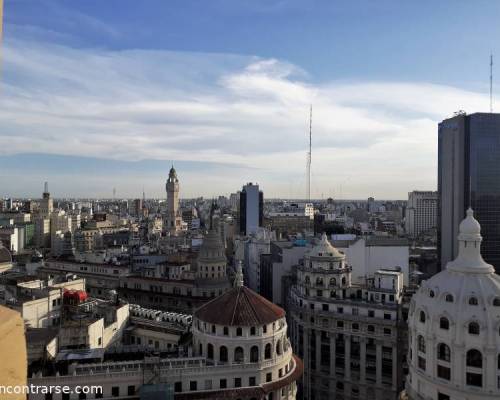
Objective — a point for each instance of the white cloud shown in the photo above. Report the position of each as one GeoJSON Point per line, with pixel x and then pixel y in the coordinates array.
{"type": "Point", "coordinates": [371, 138]}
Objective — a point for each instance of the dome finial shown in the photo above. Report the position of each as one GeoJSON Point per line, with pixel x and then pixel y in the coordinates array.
{"type": "Point", "coordinates": [238, 280]}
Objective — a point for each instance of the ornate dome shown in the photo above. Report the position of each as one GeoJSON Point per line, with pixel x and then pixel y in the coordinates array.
{"type": "Point", "coordinates": [454, 324]}
{"type": "Point", "coordinates": [212, 250]}
{"type": "Point", "coordinates": [5, 256]}
{"type": "Point", "coordinates": [239, 306]}
{"type": "Point", "coordinates": [325, 249]}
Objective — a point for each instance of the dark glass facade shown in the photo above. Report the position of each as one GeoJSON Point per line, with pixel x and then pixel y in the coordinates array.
{"type": "Point", "coordinates": [469, 175]}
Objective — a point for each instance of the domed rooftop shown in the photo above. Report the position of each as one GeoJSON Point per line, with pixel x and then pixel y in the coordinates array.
{"type": "Point", "coordinates": [5, 256]}
{"type": "Point", "coordinates": [470, 225]}
{"type": "Point", "coordinates": [325, 249]}
{"type": "Point", "coordinates": [239, 306]}
{"type": "Point", "coordinates": [212, 250]}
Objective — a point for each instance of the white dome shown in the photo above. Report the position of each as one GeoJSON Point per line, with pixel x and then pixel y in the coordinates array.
{"type": "Point", "coordinates": [325, 249]}
{"type": "Point", "coordinates": [454, 322]}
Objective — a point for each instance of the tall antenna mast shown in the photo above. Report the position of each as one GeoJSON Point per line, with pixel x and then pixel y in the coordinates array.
{"type": "Point", "coordinates": [309, 156]}
{"type": "Point", "coordinates": [491, 83]}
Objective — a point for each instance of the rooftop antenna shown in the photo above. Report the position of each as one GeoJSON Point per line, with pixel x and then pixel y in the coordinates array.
{"type": "Point", "coordinates": [46, 187]}
{"type": "Point", "coordinates": [491, 83]}
{"type": "Point", "coordinates": [309, 156]}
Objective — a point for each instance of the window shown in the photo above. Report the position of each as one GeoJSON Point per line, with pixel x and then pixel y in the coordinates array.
{"type": "Point", "coordinates": [252, 331]}
{"type": "Point", "coordinates": [325, 307]}
{"type": "Point", "coordinates": [319, 281]}
{"type": "Point", "coordinates": [421, 344]}
{"type": "Point", "coordinates": [473, 301]}
{"type": "Point", "coordinates": [422, 317]}
{"type": "Point", "coordinates": [239, 332]}
{"type": "Point", "coordinates": [333, 294]}
{"type": "Point", "coordinates": [444, 323]}
{"type": "Point", "coordinates": [267, 351]}
{"type": "Point", "coordinates": [223, 383]}
{"type": "Point", "coordinates": [443, 372]}
{"type": "Point", "coordinates": [371, 313]}
{"type": "Point", "coordinates": [474, 359]}
{"type": "Point", "coordinates": [474, 328]}
{"type": "Point", "coordinates": [371, 328]}
{"type": "Point", "coordinates": [340, 310]}
{"type": "Point", "coordinates": [115, 391]}
{"type": "Point", "coordinates": [130, 390]}
{"type": "Point", "coordinates": [431, 293]}
{"type": "Point", "coordinates": [449, 298]}
{"type": "Point", "coordinates": [496, 301]}
{"type": "Point", "coordinates": [223, 354]}
{"type": "Point", "coordinates": [333, 281]}
{"type": "Point", "coordinates": [193, 385]}
{"type": "Point", "coordinates": [442, 396]}
{"type": "Point", "coordinates": [444, 352]}
{"type": "Point", "coordinates": [254, 354]}
{"type": "Point", "coordinates": [473, 379]}
{"type": "Point", "coordinates": [213, 328]}
{"type": "Point", "coordinates": [340, 324]}
{"type": "Point", "coordinates": [264, 328]}
{"type": "Point", "coordinates": [252, 381]}
{"type": "Point", "coordinates": [278, 347]}
{"type": "Point", "coordinates": [355, 327]}
{"type": "Point", "coordinates": [307, 279]}
{"type": "Point", "coordinates": [269, 377]}
{"type": "Point", "coordinates": [210, 351]}
{"type": "Point", "coordinates": [343, 281]}
{"type": "Point", "coordinates": [238, 354]}
{"type": "Point", "coordinates": [387, 316]}
{"type": "Point", "coordinates": [421, 363]}
{"type": "Point", "coordinates": [226, 331]}
{"type": "Point", "coordinates": [387, 331]}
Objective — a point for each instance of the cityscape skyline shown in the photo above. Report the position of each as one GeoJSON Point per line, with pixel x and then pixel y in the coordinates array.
{"type": "Point", "coordinates": [222, 116]}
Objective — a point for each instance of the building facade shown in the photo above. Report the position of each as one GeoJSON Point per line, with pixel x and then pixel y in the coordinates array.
{"type": "Point", "coordinates": [251, 209]}
{"type": "Point", "coordinates": [454, 327]}
{"type": "Point", "coordinates": [421, 212]}
{"type": "Point", "coordinates": [351, 337]}
{"type": "Point", "coordinates": [173, 218]}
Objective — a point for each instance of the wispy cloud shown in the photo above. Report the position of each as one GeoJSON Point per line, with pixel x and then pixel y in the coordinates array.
{"type": "Point", "coordinates": [370, 137]}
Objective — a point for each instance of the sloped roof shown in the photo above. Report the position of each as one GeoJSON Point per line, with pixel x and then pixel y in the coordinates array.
{"type": "Point", "coordinates": [239, 306]}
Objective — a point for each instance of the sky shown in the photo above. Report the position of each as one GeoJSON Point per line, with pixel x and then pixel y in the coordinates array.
{"type": "Point", "coordinates": [96, 95]}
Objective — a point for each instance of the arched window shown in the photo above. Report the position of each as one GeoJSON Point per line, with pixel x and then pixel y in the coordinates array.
{"type": "Point", "coordinates": [473, 301]}
{"type": "Point", "coordinates": [449, 298]}
{"type": "Point", "coordinates": [333, 294]}
{"type": "Point", "coordinates": [496, 301]}
{"type": "Point", "coordinates": [319, 281]}
{"type": "Point", "coordinates": [333, 282]}
{"type": "Point", "coordinates": [278, 347]}
{"type": "Point", "coordinates": [421, 344]}
{"type": "Point", "coordinates": [422, 316]}
{"type": "Point", "coordinates": [307, 279]}
{"type": "Point", "coordinates": [474, 359]}
{"type": "Point", "coordinates": [444, 353]}
{"type": "Point", "coordinates": [431, 293]}
{"type": "Point", "coordinates": [267, 351]}
{"type": "Point", "coordinates": [223, 354]}
{"type": "Point", "coordinates": [444, 323]}
{"type": "Point", "coordinates": [474, 328]}
{"type": "Point", "coordinates": [210, 351]}
{"type": "Point", "coordinates": [343, 280]}
{"type": "Point", "coordinates": [238, 354]}
{"type": "Point", "coordinates": [239, 332]}
{"type": "Point", "coordinates": [254, 354]}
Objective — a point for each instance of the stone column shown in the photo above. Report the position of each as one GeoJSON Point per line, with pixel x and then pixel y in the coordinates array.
{"type": "Point", "coordinates": [394, 367]}
{"type": "Point", "coordinates": [318, 351]}
{"type": "Point", "coordinates": [379, 362]}
{"type": "Point", "coordinates": [347, 366]}
{"type": "Point", "coordinates": [490, 364]}
{"type": "Point", "coordinates": [332, 354]}
{"type": "Point", "coordinates": [362, 360]}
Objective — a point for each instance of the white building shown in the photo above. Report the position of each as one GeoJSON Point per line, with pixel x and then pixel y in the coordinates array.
{"type": "Point", "coordinates": [173, 218]}
{"type": "Point", "coordinates": [368, 255]}
{"type": "Point", "coordinates": [421, 212]}
{"type": "Point", "coordinates": [454, 327]}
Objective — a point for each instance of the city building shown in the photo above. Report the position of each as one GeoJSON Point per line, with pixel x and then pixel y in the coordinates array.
{"type": "Point", "coordinates": [251, 212]}
{"type": "Point", "coordinates": [468, 176]}
{"type": "Point", "coordinates": [454, 327]}
{"type": "Point", "coordinates": [173, 218]}
{"type": "Point", "coordinates": [421, 212]}
{"type": "Point", "coordinates": [350, 336]}
{"type": "Point", "coordinates": [47, 203]}
{"type": "Point", "coordinates": [242, 353]}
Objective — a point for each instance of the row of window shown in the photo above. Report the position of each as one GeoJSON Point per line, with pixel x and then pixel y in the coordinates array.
{"type": "Point", "coordinates": [319, 281]}
{"type": "Point", "coordinates": [444, 323]}
{"type": "Point", "coordinates": [238, 331]}
{"type": "Point", "coordinates": [239, 352]}
{"type": "Point", "coordinates": [473, 301]}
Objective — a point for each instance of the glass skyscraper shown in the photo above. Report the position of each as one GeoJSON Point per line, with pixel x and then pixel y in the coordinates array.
{"type": "Point", "coordinates": [469, 175]}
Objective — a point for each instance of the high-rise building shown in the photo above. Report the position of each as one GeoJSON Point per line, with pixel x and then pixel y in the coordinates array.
{"type": "Point", "coordinates": [469, 175]}
{"type": "Point", "coordinates": [251, 208]}
{"type": "Point", "coordinates": [47, 203]}
{"type": "Point", "coordinates": [421, 212]}
{"type": "Point", "coordinates": [453, 327]}
{"type": "Point", "coordinates": [174, 218]}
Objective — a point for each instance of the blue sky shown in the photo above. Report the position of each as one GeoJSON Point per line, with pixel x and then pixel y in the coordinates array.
{"type": "Point", "coordinates": [102, 94]}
